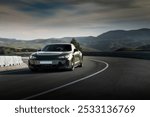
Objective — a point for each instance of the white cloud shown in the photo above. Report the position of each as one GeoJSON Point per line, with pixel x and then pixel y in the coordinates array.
{"type": "Point", "coordinates": [84, 18]}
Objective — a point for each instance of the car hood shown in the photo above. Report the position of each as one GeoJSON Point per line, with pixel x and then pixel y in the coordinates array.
{"type": "Point", "coordinates": [40, 53]}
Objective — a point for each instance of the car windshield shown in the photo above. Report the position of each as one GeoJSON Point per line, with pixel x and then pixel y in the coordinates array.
{"type": "Point", "coordinates": [57, 47]}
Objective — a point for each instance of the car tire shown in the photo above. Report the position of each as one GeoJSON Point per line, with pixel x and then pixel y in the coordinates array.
{"type": "Point", "coordinates": [33, 69]}
{"type": "Point", "coordinates": [72, 66]}
{"type": "Point", "coordinates": [81, 63]}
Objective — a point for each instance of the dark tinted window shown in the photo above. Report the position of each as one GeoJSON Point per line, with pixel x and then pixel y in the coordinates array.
{"type": "Point", "coordinates": [57, 47]}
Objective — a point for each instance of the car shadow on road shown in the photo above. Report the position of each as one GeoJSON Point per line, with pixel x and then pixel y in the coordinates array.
{"type": "Point", "coordinates": [28, 72]}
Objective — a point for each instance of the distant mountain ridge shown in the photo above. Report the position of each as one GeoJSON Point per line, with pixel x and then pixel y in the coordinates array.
{"type": "Point", "coordinates": [109, 41]}
{"type": "Point", "coordinates": [114, 40]}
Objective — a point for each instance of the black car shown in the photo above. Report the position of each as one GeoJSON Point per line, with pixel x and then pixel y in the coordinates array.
{"type": "Point", "coordinates": [60, 56]}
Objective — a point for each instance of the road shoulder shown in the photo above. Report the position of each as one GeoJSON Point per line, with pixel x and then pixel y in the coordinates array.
{"type": "Point", "coordinates": [12, 68]}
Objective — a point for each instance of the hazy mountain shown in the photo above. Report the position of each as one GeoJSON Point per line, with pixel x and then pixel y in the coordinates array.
{"type": "Point", "coordinates": [109, 41]}
{"type": "Point", "coordinates": [145, 47]}
{"type": "Point", "coordinates": [117, 39]}
{"type": "Point", "coordinates": [114, 40]}
{"type": "Point", "coordinates": [37, 43]}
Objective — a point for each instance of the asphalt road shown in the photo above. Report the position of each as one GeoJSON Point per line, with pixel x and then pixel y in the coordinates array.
{"type": "Point", "coordinates": [100, 78]}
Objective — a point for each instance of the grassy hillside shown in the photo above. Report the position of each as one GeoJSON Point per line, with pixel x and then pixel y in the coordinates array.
{"type": "Point", "coordinates": [109, 41]}
{"type": "Point", "coordinates": [15, 51]}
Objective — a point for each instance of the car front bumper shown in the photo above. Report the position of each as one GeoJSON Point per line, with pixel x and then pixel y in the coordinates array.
{"type": "Point", "coordinates": [49, 64]}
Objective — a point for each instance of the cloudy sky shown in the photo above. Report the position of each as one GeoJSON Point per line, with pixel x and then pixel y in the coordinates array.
{"type": "Point", "coordinates": [31, 19]}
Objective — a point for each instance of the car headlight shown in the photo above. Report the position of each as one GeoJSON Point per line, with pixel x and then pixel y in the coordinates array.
{"type": "Point", "coordinates": [65, 56]}
{"type": "Point", "coordinates": [32, 57]}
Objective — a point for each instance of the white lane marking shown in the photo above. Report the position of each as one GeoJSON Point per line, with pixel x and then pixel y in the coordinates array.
{"type": "Point", "coordinates": [73, 82]}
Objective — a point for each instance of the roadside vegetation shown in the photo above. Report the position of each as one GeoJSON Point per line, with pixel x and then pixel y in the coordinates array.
{"type": "Point", "coordinates": [76, 44]}
{"type": "Point", "coordinates": [15, 51]}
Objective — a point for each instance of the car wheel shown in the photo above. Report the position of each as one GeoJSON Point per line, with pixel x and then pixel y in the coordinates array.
{"type": "Point", "coordinates": [33, 69]}
{"type": "Point", "coordinates": [72, 66]}
{"type": "Point", "coordinates": [81, 63]}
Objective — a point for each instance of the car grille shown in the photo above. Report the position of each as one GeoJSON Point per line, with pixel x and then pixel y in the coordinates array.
{"type": "Point", "coordinates": [46, 57]}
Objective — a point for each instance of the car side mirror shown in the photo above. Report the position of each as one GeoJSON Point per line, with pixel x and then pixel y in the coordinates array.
{"type": "Point", "coordinates": [75, 50]}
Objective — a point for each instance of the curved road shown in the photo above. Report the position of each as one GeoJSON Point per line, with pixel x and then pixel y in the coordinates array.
{"type": "Point", "coordinates": [100, 78]}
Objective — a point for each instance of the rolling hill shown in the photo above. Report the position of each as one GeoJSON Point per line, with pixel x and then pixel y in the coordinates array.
{"type": "Point", "coordinates": [109, 41]}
